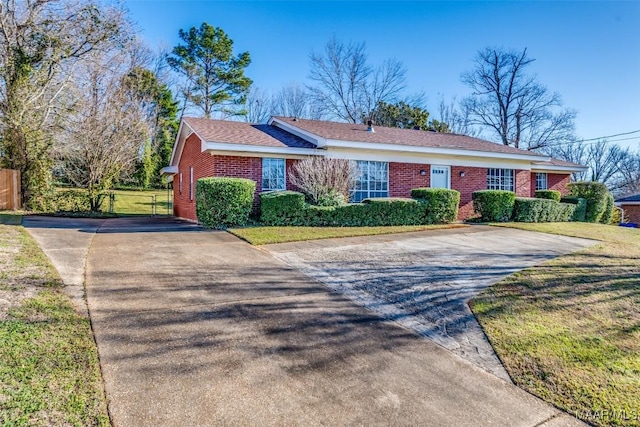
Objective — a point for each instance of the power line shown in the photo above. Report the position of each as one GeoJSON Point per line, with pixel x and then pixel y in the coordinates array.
{"type": "Point", "coordinates": [610, 136]}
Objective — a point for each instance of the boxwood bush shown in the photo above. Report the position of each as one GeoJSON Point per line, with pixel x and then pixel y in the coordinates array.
{"type": "Point", "coordinates": [580, 210]}
{"type": "Point", "coordinates": [281, 208]}
{"type": "Point", "coordinates": [493, 205]}
{"type": "Point", "coordinates": [548, 194]}
{"type": "Point", "coordinates": [596, 195]}
{"type": "Point", "coordinates": [441, 204]}
{"type": "Point", "coordinates": [222, 202]}
{"type": "Point", "coordinates": [541, 210]}
{"type": "Point", "coordinates": [288, 208]}
{"type": "Point", "coordinates": [608, 210]}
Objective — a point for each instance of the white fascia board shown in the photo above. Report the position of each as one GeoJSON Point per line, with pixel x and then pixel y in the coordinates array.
{"type": "Point", "coordinates": [318, 141]}
{"type": "Point", "coordinates": [169, 170]}
{"type": "Point", "coordinates": [259, 151]}
{"type": "Point", "coordinates": [427, 159]}
{"type": "Point", "coordinates": [556, 169]}
{"type": "Point", "coordinates": [184, 132]}
{"type": "Point", "coordinates": [457, 152]}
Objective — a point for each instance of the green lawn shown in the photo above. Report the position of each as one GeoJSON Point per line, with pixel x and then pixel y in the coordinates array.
{"type": "Point", "coordinates": [141, 202]}
{"type": "Point", "coordinates": [49, 369]}
{"type": "Point", "coordinates": [569, 330]}
{"type": "Point", "coordinates": [267, 235]}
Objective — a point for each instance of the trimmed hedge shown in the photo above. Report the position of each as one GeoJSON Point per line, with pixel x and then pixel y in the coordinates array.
{"type": "Point", "coordinates": [494, 205]}
{"type": "Point", "coordinates": [222, 202]}
{"type": "Point", "coordinates": [596, 195]}
{"type": "Point", "coordinates": [581, 207]}
{"type": "Point", "coordinates": [542, 210]}
{"type": "Point", "coordinates": [548, 194]}
{"type": "Point", "coordinates": [281, 207]}
{"type": "Point", "coordinates": [441, 204]}
{"type": "Point", "coordinates": [288, 208]}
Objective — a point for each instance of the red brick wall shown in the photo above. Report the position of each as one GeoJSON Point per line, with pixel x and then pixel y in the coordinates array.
{"type": "Point", "coordinates": [555, 181]}
{"type": "Point", "coordinates": [202, 166]}
{"type": "Point", "coordinates": [403, 177]}
{"type": "Point", "coordinates": [631, 213]}
{"type": "Point", "coordinates": [474, 179]}
{"type": "Point", "coordinates": [523, 183]}
{"type": "Point", "coordinates": [558, 182]}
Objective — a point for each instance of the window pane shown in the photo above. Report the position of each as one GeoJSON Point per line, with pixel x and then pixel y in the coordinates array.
{"type": "Point", "coordinates": [273, 174]}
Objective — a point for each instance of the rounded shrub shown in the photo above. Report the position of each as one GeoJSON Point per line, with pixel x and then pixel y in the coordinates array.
{"type": "Point", "coordinates": [549, 194]}
{"type": "Point", "coordinates": [494, 205]}
{"type": "Point", "coordinates": [441, 204]}
{"type": "Point", "coordinates": [542, 210]}
{"type": "Point", "coordinates": [282, 208]}
{"type": "Point", "coordinates": [222, 202]}
{"type": "Point", "coordinates": [596, 195]}
{"type": "Point", "coordinates": [608, 210]}
{"type": "Point", "coordinates": [580, 208]}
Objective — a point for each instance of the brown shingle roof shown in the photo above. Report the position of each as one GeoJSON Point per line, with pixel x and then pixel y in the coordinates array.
{"type": "Point", "coordinates": [385, 135]}
{"type": "Point", "coordinates": [244, 133]}
{"type": "Point", "coordinates": [558, 162]}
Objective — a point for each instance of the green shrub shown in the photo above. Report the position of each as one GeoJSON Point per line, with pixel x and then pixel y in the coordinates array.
{"type": "Point", "coordinates": [441, 204]}
{"type": "Point", "coordinates": [542, 210]}
{"type": "Point", "coordinates": [616, 216]}
{"type": "Point", "coordinates": [75, 201]}
{"type": "Point", "coordinates": [222, 202]}
{"type": "Point", "coordinates": [281, 208]}
{"type": "Point", "coordinates": [596, 195]}
{"type": "Point", "coordinates": [332, 198]}
{"type": "Point", "coordinates": [580, 209]}
{"type": "Point", "coordinates": [392, 211]}
{"type": "Point", "coordinates": [548, 194]}
{"type": "Point", "coordinates": [493, 205]}
{"type": "Point", "coordinates": [319, 216]}
{"type": "Point", "coordinates": [608, 210]}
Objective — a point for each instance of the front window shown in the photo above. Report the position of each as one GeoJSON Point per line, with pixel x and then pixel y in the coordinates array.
{"type": "Point", "coordinates": [541, 181]}
{"type": "Point", "coordinates": [500, 179]}
{"type": "Point", "coordinates": [273, 174]}
{"type": "Point", "coordinates": [372, 182]}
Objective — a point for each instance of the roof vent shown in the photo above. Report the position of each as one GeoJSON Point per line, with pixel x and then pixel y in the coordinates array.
{"type": "Point", "coordinates": [295, 119]}
{"type": "Point", "coordinates": [416, 128]}
{"type": "Point", "coordinates": [370, 126]}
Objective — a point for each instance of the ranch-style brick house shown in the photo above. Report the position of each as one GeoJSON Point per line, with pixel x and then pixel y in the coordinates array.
{"type": "Point", "coordinates": [393, 161]}
{"type": "Point", "coordinates": [630, 208]}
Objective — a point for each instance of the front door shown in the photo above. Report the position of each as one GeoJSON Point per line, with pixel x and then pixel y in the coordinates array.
{"type": "Point", "coordinates": [440, 176]}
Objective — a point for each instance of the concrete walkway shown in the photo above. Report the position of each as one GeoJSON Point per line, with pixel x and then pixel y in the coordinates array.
{"type": "Point", "coordinates": [197, 328]}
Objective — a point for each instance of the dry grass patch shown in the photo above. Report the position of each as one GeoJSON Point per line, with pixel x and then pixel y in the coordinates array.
{"type": "Point", "coordinates": [268, 235]}
{"type": "Point", "coordinates": [569, 330]}
{"type": "Point", "coordinates": [49, 370]}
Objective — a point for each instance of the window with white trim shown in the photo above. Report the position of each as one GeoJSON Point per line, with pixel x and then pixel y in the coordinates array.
{"type": "Point", "coordinates": [191, 183]}
{"type": "Point", "coordinates": [273, 174]}
{"type": "Point", "coordinates": [541, 181]}
{"type": "Point", "coordinates": [372, 182]}
{"type": "Point", "coordinates": [500, 179]}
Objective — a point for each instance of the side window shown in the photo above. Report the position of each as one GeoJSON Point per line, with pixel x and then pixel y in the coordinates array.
{"type": "Point", "coordinates": [541, 181]}
{"type": "Point", "coordinates": [273, 174]}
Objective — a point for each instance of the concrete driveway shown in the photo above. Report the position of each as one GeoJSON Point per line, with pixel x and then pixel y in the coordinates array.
{"type": "Point", "coordinates": [197, 328]}
{"type": "Point", "coordinates": [424, 281]}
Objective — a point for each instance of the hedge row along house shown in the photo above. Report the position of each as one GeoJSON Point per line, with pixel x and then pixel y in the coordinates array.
{"type": "Point", "coordinates": [393, 161]}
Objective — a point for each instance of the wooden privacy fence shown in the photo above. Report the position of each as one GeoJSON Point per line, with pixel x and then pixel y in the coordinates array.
{"type": "Point", "coordinates": [9, 189]}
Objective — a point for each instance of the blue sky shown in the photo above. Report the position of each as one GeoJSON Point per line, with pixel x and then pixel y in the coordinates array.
{"type": "Point", "coordinates": [587, 51]}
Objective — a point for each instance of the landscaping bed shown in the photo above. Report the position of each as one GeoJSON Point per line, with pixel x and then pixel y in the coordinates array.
{"type": "Point", "coordinates": [568, 331]}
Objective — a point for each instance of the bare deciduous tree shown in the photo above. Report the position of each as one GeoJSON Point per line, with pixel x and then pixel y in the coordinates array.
{"type": "Point", "coordinates": [346, 86]}
{"type": "Point", "coordinates": [457, 116]}
{"type": "Point", "coordinates": [521, 111]}
{"type": "Point", "coordinates": [258, 107]}
{"type": "Point", "coordinates": [608, 163]}
{"type": "Point", "coordinates": [293, 101]}
{"type": "Point", "coordinates": [109, 124]}
{"type": "Point", "coordinates": [325, 181]}
{"type": "Point", "coordinates": [40, 41]}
